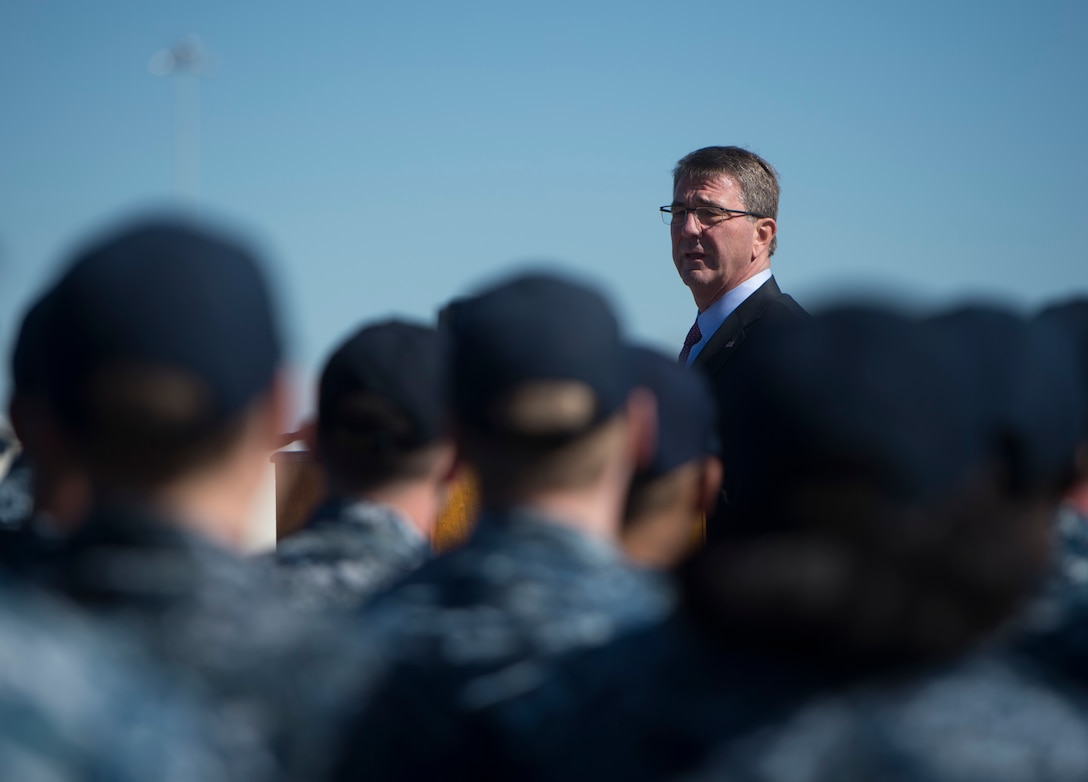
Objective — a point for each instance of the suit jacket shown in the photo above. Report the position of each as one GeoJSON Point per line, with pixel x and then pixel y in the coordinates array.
{"type": "Point", "coordinates": [723, 360]}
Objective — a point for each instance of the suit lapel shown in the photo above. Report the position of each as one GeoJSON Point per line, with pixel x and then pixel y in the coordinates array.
{"type": "Point", "coordinates": [731, 333]}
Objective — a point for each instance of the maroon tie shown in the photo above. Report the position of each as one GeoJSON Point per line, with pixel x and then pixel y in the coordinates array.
{"type": "Point", "coordinates": [690, 341]}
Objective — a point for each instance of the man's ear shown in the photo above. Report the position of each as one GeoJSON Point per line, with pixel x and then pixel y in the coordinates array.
{"type": "Point", "coordinates": [642, 424]}
{"type": "Point", "coordinates": [710, 484]}
{"type": "Point", "coordinates": [766, 230]}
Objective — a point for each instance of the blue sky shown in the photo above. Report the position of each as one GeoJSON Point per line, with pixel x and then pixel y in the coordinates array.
{"type": "Point", "coordinates": [390, 156]}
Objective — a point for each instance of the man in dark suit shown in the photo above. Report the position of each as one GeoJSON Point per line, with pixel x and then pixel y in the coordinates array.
{"type": "Point", "coordinates": [723, 220]}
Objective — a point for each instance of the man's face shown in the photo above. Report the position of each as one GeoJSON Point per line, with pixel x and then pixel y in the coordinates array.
{"type": "Point", "coordinates": [714, 259]}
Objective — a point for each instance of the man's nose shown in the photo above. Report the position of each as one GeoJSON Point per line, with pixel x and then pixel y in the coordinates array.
{"type": "Point", "coordinates": [690, 225]}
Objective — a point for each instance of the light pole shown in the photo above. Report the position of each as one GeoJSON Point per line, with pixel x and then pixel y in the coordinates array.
{"type": "Point", "coordinates": [187, 61]}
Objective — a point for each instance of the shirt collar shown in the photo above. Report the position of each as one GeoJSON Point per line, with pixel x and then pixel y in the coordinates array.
{"type": "Point", "coordinates": [712, 318]}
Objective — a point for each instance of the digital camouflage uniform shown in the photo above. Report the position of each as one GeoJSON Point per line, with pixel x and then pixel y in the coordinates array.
{"type": "Point", "coordinates": [481, 624]}
{"type": "Point", "coordinates": [1069, 579]}
{"type": "Point", "coordinates": [1054, 630]}
{"type": "Point", "coordinates": [986, 718]}
{"type": "Point", "coordinates": [28, 540]}
{"type": "Point", "coordinates": [29, 548]}
{"type": "Point", "coordinates": [278, 680]}
{"type": "Point", "coordinates": [670, 704]}
{"type": "Point", "coordinates": [16, 496]}
{"type": "Point", "coordinates": [76, 705]}
{"type": "Point", "coordinates": [705, 709]}
{"type": "Point", "coordinates": [652, 705]}
{"type": "Point", "coordinates": [346, 553]}
{"type": "Point", "coordinates": [1073, 545]}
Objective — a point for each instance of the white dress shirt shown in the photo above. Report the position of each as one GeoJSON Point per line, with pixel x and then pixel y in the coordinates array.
{"type": "Point", "coordinates": [714, 316]}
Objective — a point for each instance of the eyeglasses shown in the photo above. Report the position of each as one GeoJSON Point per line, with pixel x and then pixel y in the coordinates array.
{"type": "Point", "coordinates": [706, 216]}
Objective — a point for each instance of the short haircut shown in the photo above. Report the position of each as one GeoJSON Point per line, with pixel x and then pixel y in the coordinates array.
{"type": "Point", "coordinates": [649, 497]}
{"type": "Point", "coordinates": [380, 416]}
{"type": "Point", "coordinates": [539, 382]}
{"type": "Point", "coordinates": [756, 178]}
{"type": "Point", "coordinates": [371, 442]}
{"type": "Point", "coordinates": [146, 426]}
{"type": "Point", "coordinates": [509, 468]}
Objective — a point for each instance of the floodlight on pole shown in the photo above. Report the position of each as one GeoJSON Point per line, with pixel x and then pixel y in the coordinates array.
{"type": "Point", "coordinates": [187, 61]}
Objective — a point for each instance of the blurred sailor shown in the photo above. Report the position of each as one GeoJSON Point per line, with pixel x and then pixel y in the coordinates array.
{"type": "Point", "coordinates": [1054, 632]}
{"type": "Point", "coordinates": [76, 705]}
{"type": "Point", "coordinates": [381, 440]}
{"type": "Point", "coordinates": [166, 377]}
{"type": "Point", "coordinates": [679, 486]}
{"type": "Point", "coordinates": [547, 411]}
{"type": "Point", "coordinates": [16, 486]}
{"type": "Point", "coordinates": [828, 636]}
{"type": "Point", "coordinates": [45, 495]}
{"type": "Point", "coordinates": [1072, 317]}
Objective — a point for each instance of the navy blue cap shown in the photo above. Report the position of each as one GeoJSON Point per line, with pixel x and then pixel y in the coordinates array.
{"type": "Point", "coordinates": [29, 358]}
{"type": "Point", "coordinates": [1026, 384]}
{"type": "Point", "coordinates": [536, 332]}
{"type": "Point", "coordinates": [167, 295]}
{"type": "Point", "coordinates": [857, 394]}
{"type": "Point", "coordinates": [1071, 318]}
{"type": "Point", "coordinates": [686, 412]}
{"type": "Point", "coordinates": [398, 362]}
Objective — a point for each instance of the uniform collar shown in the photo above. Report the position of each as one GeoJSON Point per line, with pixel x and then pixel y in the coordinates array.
{"type": "Point", "coordinates": [532, 525]}
{"type": "Point", "coordinates": [125, 552]}
{"type": "Point", "coordinates": [363, 513]}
